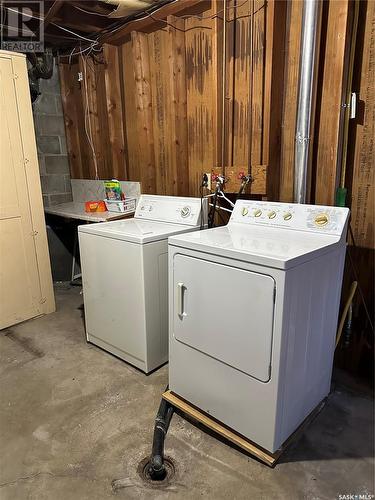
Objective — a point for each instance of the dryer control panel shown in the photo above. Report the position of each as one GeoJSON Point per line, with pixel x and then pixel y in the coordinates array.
{"type": "Point", "coordinates": [314, 218]}
{"type": "Point", "coordinates": [173, 209]}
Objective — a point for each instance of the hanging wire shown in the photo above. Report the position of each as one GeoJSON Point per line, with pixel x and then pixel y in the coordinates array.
{"type": "Point", "coordinates": [91, 12]}
{"type": "Point", "coordinates": [88, 130]}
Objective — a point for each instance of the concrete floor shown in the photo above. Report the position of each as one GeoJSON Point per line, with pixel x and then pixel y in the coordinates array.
{"type": "Point", "coordinates": [75, 423]}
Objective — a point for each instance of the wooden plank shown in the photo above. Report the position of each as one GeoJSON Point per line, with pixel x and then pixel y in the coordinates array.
{"type": "Point", "coordinates": [201, 98]}
{"type": "Point", "coordinates": [178, 133]}
{"type": "Point", "coordinates": [273, 93]}
{"type": "Point", "coordinates": [327, 171]}
{"type": "Point", "coordinates": [218, 70]}
{"type": "Point", "coordinates": [291, 74]}
{"type": "Point", "coordinates": [101, 132]}
{"type": "Point", "coordinates": [234, 173]}
{"type": "Point", "coordinates": [242, 85]}
{"type": "Point", "coordinates": [362, 193]}
{"type": "Point", "coordinates": [229, 83]}
{"type": "Point", "coordinates": [160, 84]}
{"type": "Point", "coordinates": [237, 439]}
{"type": "Point", "coordinates": [173, 9]}
{"type": "Point", "coordinates": [220, 429]}
{"type": "Point", "coordinates": [114, 112]}
{"type": "Point", "coordinates": [68, 89]}
{"type": "Point", "coordinates": [146, 152]}
{"type": "Point", "coordinates": [92, 125]}
{"type": "Point", "coordinates": [258, 82]}
{"type": "Point", "coordinates": [130, 111]}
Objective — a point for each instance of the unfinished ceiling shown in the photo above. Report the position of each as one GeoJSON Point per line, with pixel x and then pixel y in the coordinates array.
{"type": "Point", "coordinates": [66, 23]}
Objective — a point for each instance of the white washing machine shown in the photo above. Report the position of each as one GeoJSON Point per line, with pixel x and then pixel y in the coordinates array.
{"type": "Point", "coordinates": [124, 275]}
{"type": "Point", "coordinates": [253, 315]}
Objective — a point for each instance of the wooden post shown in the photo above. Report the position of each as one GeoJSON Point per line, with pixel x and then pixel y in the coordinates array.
{"type": "Point", "coordinates": [333, 54]}
{"type": "Point", "coordinates": [178, 109]}
{"type": "Point", "coordinates": [114, 112]}
{"type": "Point", "coordinates": [144, 125]}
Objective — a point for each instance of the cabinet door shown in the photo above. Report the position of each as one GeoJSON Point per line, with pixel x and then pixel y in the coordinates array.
{"type": "Point", "coordinates": [224, 312]}
{"type": "Point", "coordinates": [20, 293]}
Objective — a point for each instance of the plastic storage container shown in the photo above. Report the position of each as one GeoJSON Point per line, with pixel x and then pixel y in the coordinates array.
{"type": "Point", "coordinates": [122, 206]}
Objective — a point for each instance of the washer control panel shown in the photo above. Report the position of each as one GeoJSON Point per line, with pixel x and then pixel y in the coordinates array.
{"type": "Point", "coordinates": [173, 209]}
{"type": "Point", "coordinates": [316, 218]}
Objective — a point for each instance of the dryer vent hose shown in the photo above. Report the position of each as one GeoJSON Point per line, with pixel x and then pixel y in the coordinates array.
{"type": "Point", "coordinates": [157, 469]}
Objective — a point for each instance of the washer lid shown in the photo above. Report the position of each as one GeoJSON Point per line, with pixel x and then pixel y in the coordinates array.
{"type": "Point", "coordinates": [134, 230]}
{"type": "Point", "coordinates": [279, 248]}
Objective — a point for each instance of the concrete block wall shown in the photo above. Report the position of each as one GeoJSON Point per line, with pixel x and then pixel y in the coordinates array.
{"type": "Point", "coordinates": [51, 142]}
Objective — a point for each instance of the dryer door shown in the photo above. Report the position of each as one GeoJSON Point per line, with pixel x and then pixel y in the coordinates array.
{"type": "Point", "coordinates": [224, 312]}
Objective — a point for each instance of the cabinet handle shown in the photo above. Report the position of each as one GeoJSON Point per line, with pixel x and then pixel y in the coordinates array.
{"type": "Point", "coordinates": [180, 299]}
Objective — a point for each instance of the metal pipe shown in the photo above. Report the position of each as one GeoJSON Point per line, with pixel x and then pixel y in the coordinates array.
{"type": "Point", "coordinates": [310, 20]}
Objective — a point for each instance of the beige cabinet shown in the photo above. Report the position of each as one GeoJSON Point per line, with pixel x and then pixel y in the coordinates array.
{"type": "Point", "coordinates": [25, 274]}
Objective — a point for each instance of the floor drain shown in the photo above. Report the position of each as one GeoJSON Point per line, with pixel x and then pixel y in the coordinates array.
{"type": "Point", "coordinates": [170, 468]}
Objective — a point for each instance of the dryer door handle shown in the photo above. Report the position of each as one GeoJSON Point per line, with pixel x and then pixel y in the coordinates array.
{"type": "Point", "coordinates": [180, 299]}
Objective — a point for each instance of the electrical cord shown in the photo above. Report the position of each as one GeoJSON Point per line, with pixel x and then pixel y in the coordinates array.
{"type": "Point", "coordinates": [211, 216]}
{"type": "Point", "coordinates": [91, 12]}
{"type": "Point", "coordinates": [244, 182]}
{"type": "Point", "coordinates": [201, 193]}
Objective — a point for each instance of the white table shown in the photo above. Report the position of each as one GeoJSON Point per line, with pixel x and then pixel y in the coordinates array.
{"type": "Point", "coordinates": [76, 210]}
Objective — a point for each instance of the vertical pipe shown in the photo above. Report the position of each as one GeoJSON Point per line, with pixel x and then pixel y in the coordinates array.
{"type": "Point", "coordinates": [223, 83]}
{"type": "Point", "coordinates": [305, 110]}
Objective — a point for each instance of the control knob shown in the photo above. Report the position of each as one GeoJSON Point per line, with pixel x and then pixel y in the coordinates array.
{"type": "Point", "coordinates": [321, 219]}
{"type": "Point", "coordinates": [185, 211]}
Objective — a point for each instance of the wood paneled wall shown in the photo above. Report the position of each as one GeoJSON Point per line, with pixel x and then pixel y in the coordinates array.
{"type": "Point", "coordinates": [156, 98]}
{"type": "Point", "coordinates": [155, 102]}
{"type": "Point", "coordinates": [94, 110]}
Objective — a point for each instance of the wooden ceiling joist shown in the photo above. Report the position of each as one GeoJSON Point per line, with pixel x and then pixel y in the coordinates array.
{"type": "Point", "coordinates": [177, 8]}
{"type": "Point", "coordinates": [52, 12]}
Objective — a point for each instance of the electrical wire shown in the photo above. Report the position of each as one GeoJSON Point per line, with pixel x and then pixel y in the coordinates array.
{"type": "Point", "coordinates": [54, 24]}
{"type": "Point", "coordinates": [88, 130]}
{"type": "Point", "coordinates": [73, 33]}
{"type": "Point", "coordinates": [219, 207]}
{"type": "Point", "coordinates": [23, 13]}
{"type": "Point", "coordinates": [91, 12]}
{"type": "Point", "coordinates": [133, 19]}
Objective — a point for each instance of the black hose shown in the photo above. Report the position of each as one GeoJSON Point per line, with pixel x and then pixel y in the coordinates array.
{"type": "Point", "coordinates": [156, 470]}
{"type": "Point", "coordinates": [211, 218]}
